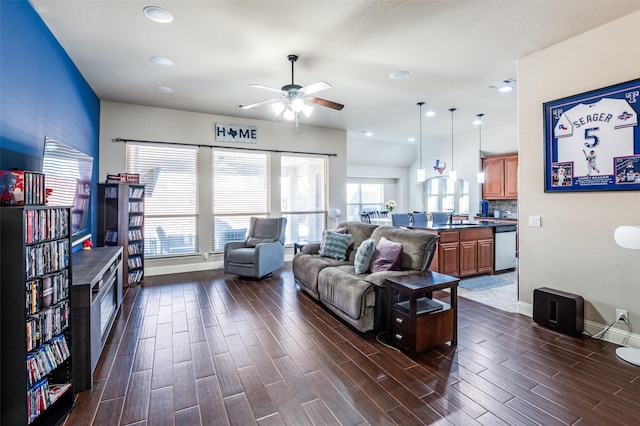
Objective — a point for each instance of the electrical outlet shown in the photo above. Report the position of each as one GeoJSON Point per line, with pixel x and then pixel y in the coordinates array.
{"type": "Point", "coordinates": [622, 315]}
{"type": "Point", "coordinates": [534, 221]}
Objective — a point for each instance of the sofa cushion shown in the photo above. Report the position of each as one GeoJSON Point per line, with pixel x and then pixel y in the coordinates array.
{"type": "Point", "coordinates": [345, 291]}
{"type": "Point", "coordinates": [307, 267]}
{"type": "Point", "coordinates": [364, 255]}
{"type": "Point", "coordinates": [387, 256]}
{"type": "Point", "coordinates": [417, 245]}
{"type": "Point", "coordinates": [335, 245]}
{"type": "Point", "coordinates": [342, 230]}
{"type": "Point", "coordinates": [359, 232]}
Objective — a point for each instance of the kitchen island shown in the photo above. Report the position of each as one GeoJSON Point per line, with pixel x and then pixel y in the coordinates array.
{"type": "Point", "coordinates": [465, 248]}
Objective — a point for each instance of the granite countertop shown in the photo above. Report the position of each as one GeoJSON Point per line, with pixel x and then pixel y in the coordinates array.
{"type": "Point", "coordinates": [462, 224]}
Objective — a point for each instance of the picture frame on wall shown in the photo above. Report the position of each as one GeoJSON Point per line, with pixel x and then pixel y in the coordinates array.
{"type": "Point", "coordinates": [592, 140]}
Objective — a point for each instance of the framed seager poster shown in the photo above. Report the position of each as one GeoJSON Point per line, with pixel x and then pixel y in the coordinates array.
{"type": "Point", "coordinates": [592, 140]}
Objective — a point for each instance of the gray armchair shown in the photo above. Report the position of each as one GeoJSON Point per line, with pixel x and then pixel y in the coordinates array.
{"type": "Point", "coordinates": [261, 252]}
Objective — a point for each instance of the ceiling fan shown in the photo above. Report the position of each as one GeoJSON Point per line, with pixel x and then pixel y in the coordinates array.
{"type": "Point", "coordinates": [294, 98]}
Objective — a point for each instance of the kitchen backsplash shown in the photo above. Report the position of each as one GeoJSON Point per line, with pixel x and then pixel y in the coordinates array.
{"type": "Point", "coordinates": [508, 208]}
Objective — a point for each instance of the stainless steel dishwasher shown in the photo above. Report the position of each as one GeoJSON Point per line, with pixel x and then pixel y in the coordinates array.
{"type": "Point", "coordinates": [505, 247]}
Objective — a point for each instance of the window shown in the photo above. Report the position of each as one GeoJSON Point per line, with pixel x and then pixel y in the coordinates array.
{"type": "Point", "coordinates": [303, 183]}
{"type": "Point", "coordinates": [240, 190]}
{"type": "Point", "coordinates": [443, 194]}
{"type": "Point", "coordinates": [171, 213]}
{"type": "Point", "coordinates": [362, 197]}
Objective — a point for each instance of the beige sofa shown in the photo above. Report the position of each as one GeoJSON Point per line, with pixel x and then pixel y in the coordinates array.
{"type": "Point", "coordinates": [353, 297]}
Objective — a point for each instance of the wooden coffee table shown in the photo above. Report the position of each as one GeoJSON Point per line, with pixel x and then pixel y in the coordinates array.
{"type": "Point", "coordinates": [415, 321]}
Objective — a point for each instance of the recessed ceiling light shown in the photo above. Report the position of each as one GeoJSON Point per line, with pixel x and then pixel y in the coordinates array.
{"type": "Point", "coordinates": [158, 14]}
{"type": "Point", "coordinates": [161, 62]}
{"type": "Point", "coordinates": [411, 139]}
{"type": "Point", "coordinates": [162, 89]}
{"type": "Point", "coordinates": [430, 113]}
{"type": "Point", "coordinates": [400, 74]}
{"type": "Point", "coordinates": [364, 132]}
{"type": "Point", "coordinates": [503, 86]}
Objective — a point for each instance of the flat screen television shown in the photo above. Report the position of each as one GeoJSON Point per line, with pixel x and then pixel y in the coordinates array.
{"type": "Point", "coordinates": [68, 183]}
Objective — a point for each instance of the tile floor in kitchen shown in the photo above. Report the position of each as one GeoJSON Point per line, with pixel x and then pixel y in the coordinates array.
{"type": "Point", "coordinates": [504, 297]}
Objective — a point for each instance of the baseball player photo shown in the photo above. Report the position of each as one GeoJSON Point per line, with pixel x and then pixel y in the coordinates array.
{"type": "Point", "coordinates": [561, 174]}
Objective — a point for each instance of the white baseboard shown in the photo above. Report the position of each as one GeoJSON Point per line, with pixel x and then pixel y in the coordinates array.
{"type": "Point", "coordinates": [154, 268]}
{"type": "Point", "coordinates": [613, 335]}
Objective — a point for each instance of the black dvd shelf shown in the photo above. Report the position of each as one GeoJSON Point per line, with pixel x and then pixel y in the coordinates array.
{"type": "Point", "coordinates": [36, 330]}
{"type": "Point", "coordinates": [121, 223]}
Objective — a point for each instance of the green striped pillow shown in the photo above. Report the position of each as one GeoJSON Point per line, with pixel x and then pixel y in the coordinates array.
{"type": "Point", "coordinates": [335, 245]}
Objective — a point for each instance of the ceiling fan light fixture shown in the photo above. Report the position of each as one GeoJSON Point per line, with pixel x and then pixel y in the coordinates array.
{"type": "Point", "coordinates": [277, 107]}
{"type": "Point", "coordinates": [289, 114]}
{"type": "Point", "coordinates": [307, 110]}
{"type": "Point", "coordinates": [297, 104]}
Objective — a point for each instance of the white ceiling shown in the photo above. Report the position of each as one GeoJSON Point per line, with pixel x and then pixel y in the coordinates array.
{"type": "Point", "coordinates": [452, 49]}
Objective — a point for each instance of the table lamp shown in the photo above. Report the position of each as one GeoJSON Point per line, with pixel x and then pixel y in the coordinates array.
{"type": "Point", "coordinates": [628, 237]}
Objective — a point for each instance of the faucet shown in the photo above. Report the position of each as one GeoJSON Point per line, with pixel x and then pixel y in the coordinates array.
{"type": "Point", "coordinates": [451, 217]}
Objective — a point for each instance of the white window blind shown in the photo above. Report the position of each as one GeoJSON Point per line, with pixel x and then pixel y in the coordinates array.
{"type": "Point", "coordinates": [169, 174]}
{"type": "Point", "coordinates": [303, 182]}
{"type": "Point", "coordinates": [240, 190]}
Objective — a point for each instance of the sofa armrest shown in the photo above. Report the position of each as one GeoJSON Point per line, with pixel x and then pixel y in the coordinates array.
{"type": "Point", "coordinates": [377, 278]}
{"type": "Point", "coordinates": [311, 248]}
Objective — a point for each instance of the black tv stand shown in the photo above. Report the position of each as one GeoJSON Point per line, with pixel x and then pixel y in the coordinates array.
{"type": "Point", "coordinates": [97, 297]}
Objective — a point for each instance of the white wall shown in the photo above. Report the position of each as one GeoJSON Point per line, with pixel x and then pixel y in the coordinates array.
{"type": "Point", "coordinates": [496, 140]}
{"type": "Point", "coordinates": [126, 121]}
{"type": "Point", "coordinates": [574, 250]}
{"type": "Point", "coordinates": [398, 191]}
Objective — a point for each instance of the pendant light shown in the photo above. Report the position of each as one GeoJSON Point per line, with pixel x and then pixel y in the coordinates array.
{"type": "Point", "coordinates": [479, 122]}
{"type": "Point", "coordinates": [452, 174]}
{"type": "Point", "coordinates": [422, 174]}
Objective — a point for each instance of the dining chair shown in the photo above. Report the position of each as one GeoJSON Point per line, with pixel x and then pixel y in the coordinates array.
{"type": "Point", "coordinates": [419, 219]}
{"type": "Point", "coordinates": [439, 218]}
{"type": "Point", "coordinates": [400, 219]}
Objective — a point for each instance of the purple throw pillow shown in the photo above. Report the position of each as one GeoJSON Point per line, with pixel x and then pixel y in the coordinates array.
{"type": "Point", "coordinates": [387, 256]}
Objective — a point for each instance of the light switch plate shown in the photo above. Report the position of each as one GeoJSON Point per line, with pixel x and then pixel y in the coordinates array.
{"type": "Point", "coordinates": [534, 221]}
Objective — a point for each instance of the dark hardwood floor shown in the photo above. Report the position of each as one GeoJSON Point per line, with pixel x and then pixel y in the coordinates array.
{"type": "Point", "coordinates": [205, 348]}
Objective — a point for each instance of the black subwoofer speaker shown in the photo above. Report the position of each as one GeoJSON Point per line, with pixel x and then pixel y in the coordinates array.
{"type": "Point", "coordinates": [558, 310]}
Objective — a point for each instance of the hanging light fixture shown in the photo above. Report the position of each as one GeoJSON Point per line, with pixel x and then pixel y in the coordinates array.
{"type": "Point", "coordinates": [481, 172]}
{"type": "Point", "coordinates": [452, 174]}
{"type": "Point", "coordinates": [422, 173]}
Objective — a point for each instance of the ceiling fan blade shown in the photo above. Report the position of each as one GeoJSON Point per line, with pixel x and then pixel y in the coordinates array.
{"type": "Point", "coordinates": [315, 87]}
{"type": "Point", "coordinates": [325, 103]}
{"type": "Point", "coordinates": [268, 101]}
{"type": "Point", "coordinates": [273, 89]}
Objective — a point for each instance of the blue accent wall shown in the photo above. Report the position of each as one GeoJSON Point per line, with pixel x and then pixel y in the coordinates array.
{"type": "Point", "coordinates": [42, 93]}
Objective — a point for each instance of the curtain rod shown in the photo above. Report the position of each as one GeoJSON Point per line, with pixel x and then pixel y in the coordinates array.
{"type": "Point", "coordinates": [221, 146]}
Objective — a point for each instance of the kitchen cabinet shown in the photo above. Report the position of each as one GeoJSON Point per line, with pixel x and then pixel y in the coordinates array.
{"type": "Point", "coordinates": [464, 252]}
{"type": "Point", "coordinates": [500, 177]}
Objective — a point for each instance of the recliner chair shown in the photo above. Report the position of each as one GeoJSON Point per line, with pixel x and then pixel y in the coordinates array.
{"type": "Point", "coordinates": [261, 252]}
